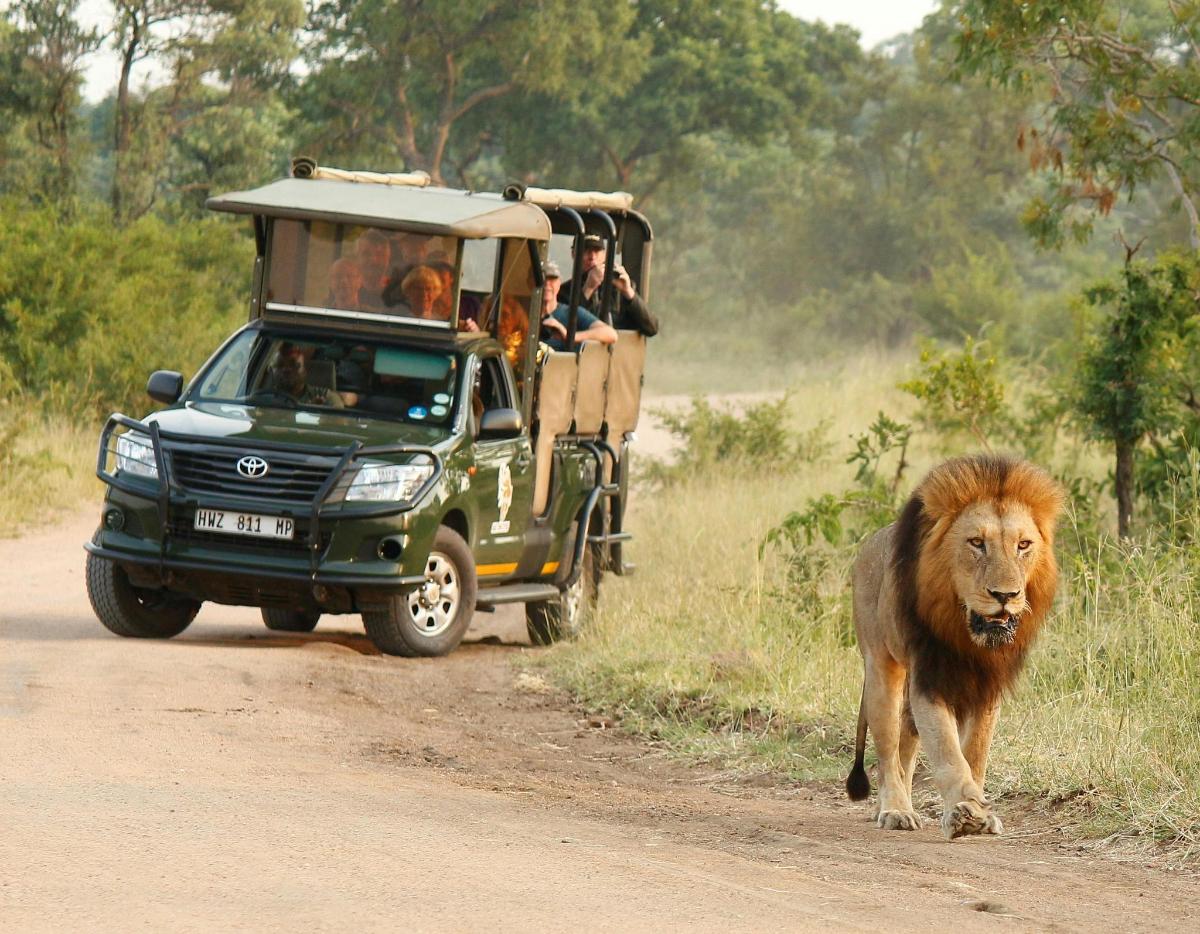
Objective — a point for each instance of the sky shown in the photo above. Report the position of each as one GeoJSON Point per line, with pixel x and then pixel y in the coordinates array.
{"type": "Point", "coordinates": [876, 21]}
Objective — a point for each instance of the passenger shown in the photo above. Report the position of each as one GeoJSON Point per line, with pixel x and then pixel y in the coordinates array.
{"type": "Point", "coordinates": [422, 288]}
{"type": "Point", "coordinates": [408, 252]}
{"type": "Point", "coordinates": [345, 284]}
{"type": "Point", "coordinates": [445, 273]}
{"type": "Point", "coordinates": [354, 374]}
{"type": "Point", "coordinates": [632, 313]}
{"type": "Point", "coordinates": [556, 316]}
{"type": "Point", "coordinates": [373, 253]}
{"type": "Point", "coordinates": [511, 330]}
{"type": "Point", "coordinates": [289, 375]}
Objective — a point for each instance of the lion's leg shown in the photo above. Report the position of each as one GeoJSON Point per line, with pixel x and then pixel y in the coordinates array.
{"type": "Point", "coordinates": [975, 749]}
{"type": "Point", "coordinates": [965, 810]}
{"type": "Point", "coordinates": [910, 742]}
{"type": "Point", "coordinates": [884, 698]}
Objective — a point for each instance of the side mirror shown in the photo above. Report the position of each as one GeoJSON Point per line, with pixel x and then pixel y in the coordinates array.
{"type": "Point", "coordinates": [500, 423]}
{"type": "Point", "coordinates": [165, 386]}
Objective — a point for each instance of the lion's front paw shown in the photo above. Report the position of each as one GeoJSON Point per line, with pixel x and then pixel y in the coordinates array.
{"type": "Point", "coordinates": [969, 817]}
{"type": "Point", "coordinates": [898, 820]}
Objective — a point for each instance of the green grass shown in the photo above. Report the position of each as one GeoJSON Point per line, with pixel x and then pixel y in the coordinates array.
{"type": "Point", "coordinates": [708, 649]}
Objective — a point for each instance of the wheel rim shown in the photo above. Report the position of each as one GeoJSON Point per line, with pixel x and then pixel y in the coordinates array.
{"type": "Point", "coordinates": [433, 606]}
{"type": "Point", "coordinates": [572, 604]}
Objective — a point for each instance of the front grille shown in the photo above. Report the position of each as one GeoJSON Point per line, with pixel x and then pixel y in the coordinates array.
{"type": "Point", "coordinates": [182, 530]}
{"type": "Point", "coordinates": [292, 478]}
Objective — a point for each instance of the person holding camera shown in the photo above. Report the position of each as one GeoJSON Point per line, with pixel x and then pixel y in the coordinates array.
{"type": "Point", "coordinates": [632, 313]}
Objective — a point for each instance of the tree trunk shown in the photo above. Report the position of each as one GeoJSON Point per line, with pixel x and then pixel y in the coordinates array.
{"type": "Point", "coordinates": [1124, 477]}
{"type": "Point", "coordinates": [123, 126]}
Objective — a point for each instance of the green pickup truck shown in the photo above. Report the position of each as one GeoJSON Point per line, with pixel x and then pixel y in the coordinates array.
{"type": "Point", "coordinates": [387, 435]}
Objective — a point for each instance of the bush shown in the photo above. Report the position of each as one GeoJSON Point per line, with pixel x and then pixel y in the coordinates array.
{"type": "Point", "coordinates": [756, 436]}
{"type": "Point", "coordinates": [88, 309]}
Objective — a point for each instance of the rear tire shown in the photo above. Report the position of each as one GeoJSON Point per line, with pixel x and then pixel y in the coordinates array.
{"type": "Point", "coordinates": [566, 616]}
{"type": "Point", "coordinates": [285, 620]}
{"type": "Point", "coordinates": [432, 619]}
{"type": "Point", "coordinates": [135, 612]}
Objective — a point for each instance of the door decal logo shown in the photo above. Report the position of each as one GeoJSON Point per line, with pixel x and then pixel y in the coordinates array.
{"type": "Point", "coordinates": [504, 496]}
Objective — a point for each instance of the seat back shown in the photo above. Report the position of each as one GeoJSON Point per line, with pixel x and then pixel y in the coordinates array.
{"type": "Point", "coordinates": [592, 387]}
{"type": "Point", "coordinates": [555, 409]}
{"type": "Point", "coordinates": [321, 374]}
{"type": "Point", "coordinates": [624, 398]}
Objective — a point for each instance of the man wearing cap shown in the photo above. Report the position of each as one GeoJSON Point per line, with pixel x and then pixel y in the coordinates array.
{"type": "Point", "coordinates": [632, 314]}
{"type": "Point", "coordinates": [556, 316]}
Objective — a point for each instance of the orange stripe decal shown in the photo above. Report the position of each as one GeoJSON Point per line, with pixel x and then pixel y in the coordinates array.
{"type": "Point", "coordinates": [549, 567]}
{"type": "Point", "coordinates": [491, 570]}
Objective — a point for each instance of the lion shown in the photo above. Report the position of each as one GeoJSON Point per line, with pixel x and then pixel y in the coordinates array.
{"type": "Point", "coordinates": [947, 602]}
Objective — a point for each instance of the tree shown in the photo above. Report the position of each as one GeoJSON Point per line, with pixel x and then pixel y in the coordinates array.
{"type": "Point", "coordinates": [741, 71]}
{"type": "Point", "coordinates": [398, 80]}
{"type": "Point", "coordinates": [224, 61]}
{"type": "Point", "coordinates": [1137, 374]}
{"type": "Point", "coordinates": [42, 58]}
{"type": "Point", "coordinates": [1123, 88]}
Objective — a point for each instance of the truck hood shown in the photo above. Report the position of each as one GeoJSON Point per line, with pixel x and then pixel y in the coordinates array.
{"type": "Point", "coordinates": [291, 426]}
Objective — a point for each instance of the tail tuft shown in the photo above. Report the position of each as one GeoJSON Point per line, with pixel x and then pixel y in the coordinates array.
{"type": "Point", "coordinates": [858, 786]}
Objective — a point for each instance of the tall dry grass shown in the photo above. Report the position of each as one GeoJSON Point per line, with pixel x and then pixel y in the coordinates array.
{"type": "Point", "coordinates": [707, 648]}
{"type": "Point", "coordinates": [47, 470]}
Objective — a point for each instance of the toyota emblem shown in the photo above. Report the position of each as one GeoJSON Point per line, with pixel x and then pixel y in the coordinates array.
{"type": "Point", "coordinates": [253, 467]}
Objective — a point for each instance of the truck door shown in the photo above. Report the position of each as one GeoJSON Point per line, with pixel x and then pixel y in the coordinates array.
{"type": "Point", "coordinates": [503, 483]}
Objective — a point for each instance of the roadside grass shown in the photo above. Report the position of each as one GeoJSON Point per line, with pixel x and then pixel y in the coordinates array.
{"type": "Point", "coordinates": [46, 471]}
{"type": "Point", "coordinates": [707, 649]}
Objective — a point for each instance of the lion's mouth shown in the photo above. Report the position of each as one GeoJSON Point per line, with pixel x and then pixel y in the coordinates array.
{"type": "Point", "coordinates": [993, 631]}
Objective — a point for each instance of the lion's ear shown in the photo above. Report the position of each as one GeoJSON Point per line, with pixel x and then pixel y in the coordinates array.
{"type": "Point", "coordinates": [1041, 493]}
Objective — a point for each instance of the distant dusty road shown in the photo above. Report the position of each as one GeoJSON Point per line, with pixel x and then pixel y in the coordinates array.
{"type": "Point", "coordinates": [238, 779]}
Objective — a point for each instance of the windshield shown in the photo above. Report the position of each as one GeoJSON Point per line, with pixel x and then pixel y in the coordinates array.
{"type": "Point", "coordinates": [344, 267]}
{"type": "Point", "coordinates": [360, 376]}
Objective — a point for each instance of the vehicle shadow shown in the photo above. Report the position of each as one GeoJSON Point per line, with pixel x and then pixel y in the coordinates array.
{"type": "Point", "coordinates": [488, 631]}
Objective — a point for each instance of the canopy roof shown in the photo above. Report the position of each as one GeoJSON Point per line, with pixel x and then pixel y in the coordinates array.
{"type": "Point", "coordinates": [436, 211]}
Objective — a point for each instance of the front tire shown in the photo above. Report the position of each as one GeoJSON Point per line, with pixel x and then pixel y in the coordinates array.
{"type": "Point", "coordinates": [566, 616]}
{"type": "Point", "coordinates": [135, 612]}
{"type": "Point", "coordinates": [432, 619]}
{"type": "Point", "coordinates": [285, 620]}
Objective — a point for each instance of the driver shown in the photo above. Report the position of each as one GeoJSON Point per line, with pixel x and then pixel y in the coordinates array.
{"type": "Point", "coordinates": [289, 375]}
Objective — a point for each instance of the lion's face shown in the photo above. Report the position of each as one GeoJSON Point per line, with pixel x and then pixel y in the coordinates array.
{"type": "Point", "coordinates": [992, 546]}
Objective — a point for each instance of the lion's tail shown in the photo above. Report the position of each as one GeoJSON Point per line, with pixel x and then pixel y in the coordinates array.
{"type": "Point", "coordinates": [858, 785]}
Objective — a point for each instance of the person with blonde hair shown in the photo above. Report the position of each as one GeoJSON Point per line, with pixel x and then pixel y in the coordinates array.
{"type": "Point", "coordinates": [422, 288]}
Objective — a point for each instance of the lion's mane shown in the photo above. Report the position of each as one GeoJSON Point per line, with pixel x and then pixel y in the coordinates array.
{"type": "Point", "coordinates": [948, 665]}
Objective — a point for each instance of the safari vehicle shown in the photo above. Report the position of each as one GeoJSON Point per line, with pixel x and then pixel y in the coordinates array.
{"type": "Point", "coordinates": [359, 447]}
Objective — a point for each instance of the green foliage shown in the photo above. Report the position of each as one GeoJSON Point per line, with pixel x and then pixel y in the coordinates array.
{"type": "Point", "coordinates": [757, 437]}
{"type": "Point", "coordinates": [1137, 373]}
{"type": "Point", "coordinates": [88, 309]}
{"type": "Point", "coordinates": [1122, 109]}
{"type": "Point", "coordinates": [962, 393]}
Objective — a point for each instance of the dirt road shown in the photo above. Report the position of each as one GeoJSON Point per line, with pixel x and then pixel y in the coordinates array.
{"type": "Point", "coordinates": [238, 779]}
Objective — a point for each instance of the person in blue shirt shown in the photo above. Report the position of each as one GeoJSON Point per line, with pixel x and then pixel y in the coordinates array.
{"type": "Point", "coordinates": [556, 316]}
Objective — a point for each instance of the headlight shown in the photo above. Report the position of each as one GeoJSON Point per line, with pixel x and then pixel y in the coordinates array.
{"type": "Point", "coordinates": [135, 455]}
{"type": "Point", "coordinates": [387, 483]}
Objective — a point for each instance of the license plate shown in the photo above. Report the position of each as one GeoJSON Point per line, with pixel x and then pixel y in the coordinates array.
{"type": "Point", "coordinates": [244, 523]}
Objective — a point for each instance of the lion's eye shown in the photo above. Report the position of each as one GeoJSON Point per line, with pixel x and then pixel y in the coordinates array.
{"type": "Point", "coordinates": [976, 543]}
{"type": "Point", "coordinates": [1024, 544]}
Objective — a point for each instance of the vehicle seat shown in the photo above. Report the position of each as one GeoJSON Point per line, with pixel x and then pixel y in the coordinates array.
{"type": "Point", "coordinates": [591, 390]}
{"type": "Point", "coordinates": [321, 374]}
{"type": "Point", "coordinates": [555, 409]}
{"type": "Point", "coordinates": [625, 384]}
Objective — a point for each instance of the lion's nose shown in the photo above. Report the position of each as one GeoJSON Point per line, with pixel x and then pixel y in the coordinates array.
{"type": "Point", "coordinates": [1003, 597]}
